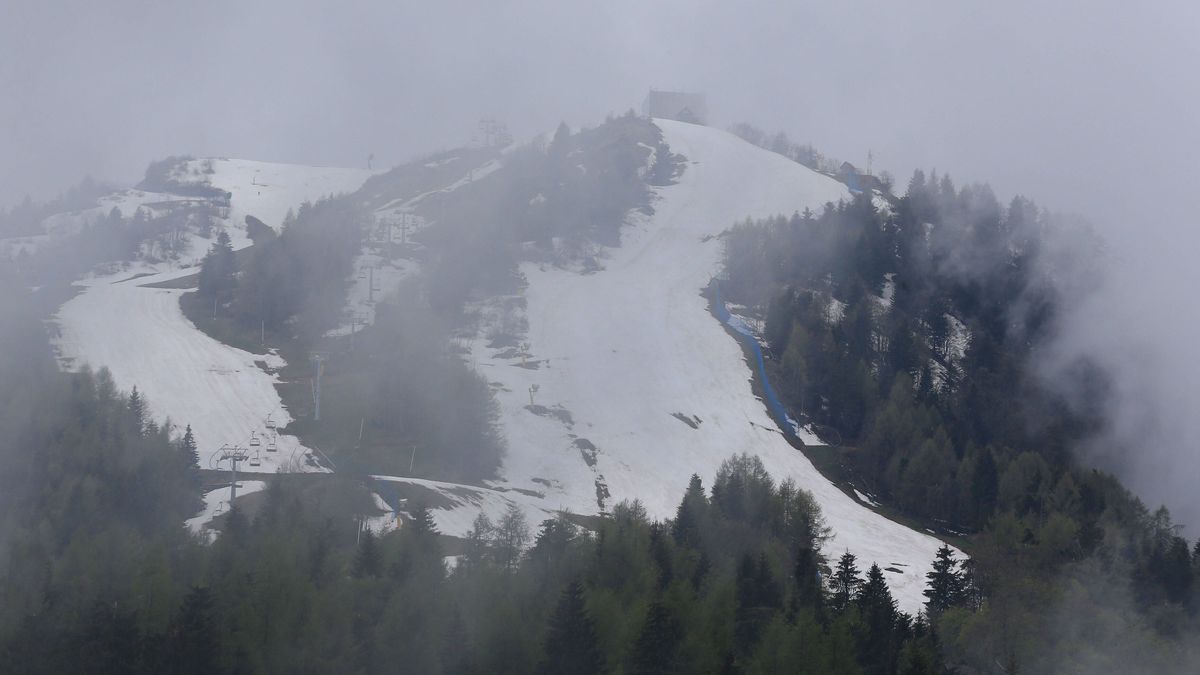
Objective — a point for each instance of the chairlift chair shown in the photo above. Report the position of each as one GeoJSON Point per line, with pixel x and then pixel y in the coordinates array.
{"type": "Point", "coordinates": [255, 461]}
{"type": "Point", "coordinates": [271, 422]}
{"type": "Point", "coordinates": [254, 442]}
{"type": "Point", "coordinates": [271, 446]}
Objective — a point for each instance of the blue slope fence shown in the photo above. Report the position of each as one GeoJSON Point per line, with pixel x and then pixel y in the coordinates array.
{"type": "Point", "coordinates": [774, 405]}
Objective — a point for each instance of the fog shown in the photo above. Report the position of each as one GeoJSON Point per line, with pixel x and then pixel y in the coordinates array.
{"type": "Point", "coordinates": [1084, 107]}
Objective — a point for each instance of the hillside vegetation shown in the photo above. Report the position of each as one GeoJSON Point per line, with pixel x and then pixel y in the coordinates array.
{"type": "Point", "coordinates": [912, 334]}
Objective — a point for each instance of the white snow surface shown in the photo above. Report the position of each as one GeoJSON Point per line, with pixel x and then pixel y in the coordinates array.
{"type": "Point", "coordinates": [616, 354]}
{"type": "Point", "coordinates": [267, 190]}
{"type": "Point", "coordinates": [141, 335]}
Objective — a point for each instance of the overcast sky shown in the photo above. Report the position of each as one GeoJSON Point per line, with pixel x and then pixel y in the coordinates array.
{"type": "Point", "coordinates": [1084, 106]}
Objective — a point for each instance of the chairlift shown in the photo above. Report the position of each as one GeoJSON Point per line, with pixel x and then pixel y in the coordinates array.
{"type": "Point", "coordinates": [255, 461]}
{"type": "Point", "coordinates": [271, 446]}
{"type": "Point", "coordinates": [254, 442]}
{"type": "Point", "coordinates": [271, 422]}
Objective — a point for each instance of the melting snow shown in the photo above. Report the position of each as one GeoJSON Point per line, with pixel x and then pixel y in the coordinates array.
{"type": "Point", "coordinates": [614, 355]}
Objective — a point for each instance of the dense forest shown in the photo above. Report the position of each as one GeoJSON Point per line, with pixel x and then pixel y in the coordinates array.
{"type": "Point", "coordinates": [908, 330]}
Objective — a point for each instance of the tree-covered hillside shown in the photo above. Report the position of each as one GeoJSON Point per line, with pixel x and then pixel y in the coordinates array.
{"type": "Point", "coordinates": [908, 331]}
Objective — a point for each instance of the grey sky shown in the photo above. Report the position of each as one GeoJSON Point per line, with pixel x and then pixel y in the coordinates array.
{"type": "Point", "coordinates": [1084, 106]}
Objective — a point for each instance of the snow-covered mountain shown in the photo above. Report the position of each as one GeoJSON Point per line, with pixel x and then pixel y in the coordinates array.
{"type": "Point", "coordinates": [594, 409]}
{"type": "Point", "coordinates": [625, 384]}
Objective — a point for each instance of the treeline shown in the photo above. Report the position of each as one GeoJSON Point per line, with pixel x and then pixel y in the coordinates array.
{"type": "Point", "coordinates": [735, 583]}
{"type": "Point", "coordinates": [913, 333]}
{"type": "Point", "coordinates": [779, 143]}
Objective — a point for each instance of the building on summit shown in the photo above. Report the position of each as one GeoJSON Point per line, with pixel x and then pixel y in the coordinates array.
{"type": "Point", "coordinates": [676, 105]}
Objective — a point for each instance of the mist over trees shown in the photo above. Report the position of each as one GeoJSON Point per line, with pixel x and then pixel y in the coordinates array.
{"type": "Point", "coordinates": [911, 332]}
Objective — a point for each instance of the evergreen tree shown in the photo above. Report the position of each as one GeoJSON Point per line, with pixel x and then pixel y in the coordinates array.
{"type": "Point", "coordinates": [845, 582]}
{"type": "Point", "coordinates": [700, 573]}
{"type": "Point", "coordinates": [218, 270]}
{"type": "Point", "coordinates": [945, 588]}
{"type": "Point", "coordinates": [190, 450]}
{"type": "Point", "coordinates": [686, 527]}
{"type": "Point", "coordinates": [660, 551]}
{"type": "Point", "coordinates": [571, 647]}
{"type": "Point", "coordinates": [654, 650]}
{"type": "Point", "coordinates": [367, 559]}
{"type": "Point", "coordinates": [757, 598]}
{"type": "Point", "coordinates": [137, 411]}
{"type": "Point", "coordinates": [111, 642]}
{"type": "Point", "coordinates": [984, 485]}
{"type": "Point", "coordinates": [878, 646]}
{"type": "Point", "coordinates": [191, 644]}
{"type": "Point", "coordinates": [807, 574]}
{"type": "Point", "coordinates": [422, 521]}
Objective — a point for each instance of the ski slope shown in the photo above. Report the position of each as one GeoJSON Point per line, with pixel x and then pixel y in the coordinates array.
{"type": "Point", "coordinates": [615, 358]}
{"type": "Point", "coordinates": [141, 335]}
{"type": "Point", "coordinates": [267, 190]}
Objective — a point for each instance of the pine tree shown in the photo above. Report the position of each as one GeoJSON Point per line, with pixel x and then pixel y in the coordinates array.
{"type": "Point", "coordinates": [422, 521]}
{"type": "Point", "coordinates": [878, 646]}
{"type": "Point", "coordinates": [191, 643]}
{"type": "Point", "coordinates": [218, 270]}
{"type": "Point", "coordinates": [660, 551]}
{"type": "Point", "coordinates": [237, 526]}
{"type": "Point", "coordinates": [757, 598]}
{"type": "Point", "coordinates": [137, 411]}
{"type": "Point", "coordinates": [984, 482]}
{"type": "Point", "coordinates": [703, 567]}
{"type": "Point", "coordinates": [686, 528]}
{"type": "Point", "coordinates": [571, 647]}
{"type": "Point", "coordinates": [190, 450]}
{"type": "Point", "coordinates": [110, 642]}
{"type": "Point", "coordinates": [367, 559]}
{"type": "Point", "coordinates": [807, 576]}
{"type": "Point", "coordinates": [845, 582]}
{"type": "Point", "coordinates": [655, 649]}
{"type": "Point", "coordinates": [945, 589]}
